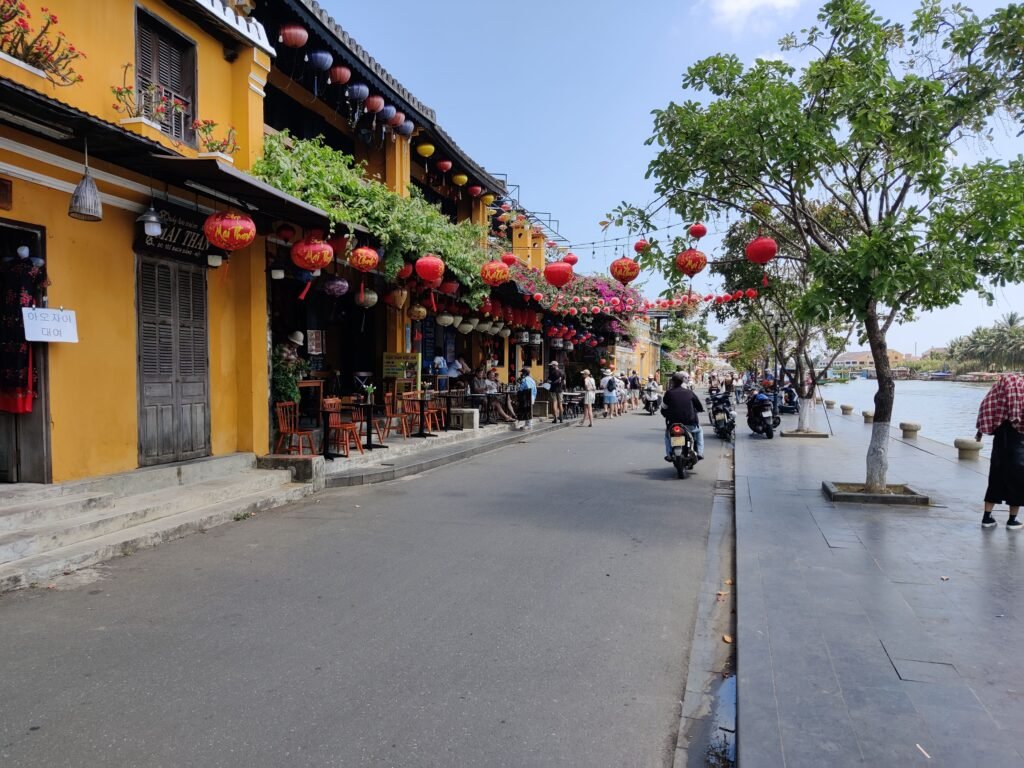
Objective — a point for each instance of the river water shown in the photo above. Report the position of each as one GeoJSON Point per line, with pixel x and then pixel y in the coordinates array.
{"type": "Point", "coordinates": [945, 410]}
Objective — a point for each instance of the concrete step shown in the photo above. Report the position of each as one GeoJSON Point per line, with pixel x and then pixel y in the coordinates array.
{"type": "Point", "coordinates": [164, 476]}
{"type": "Point", "coordinates": [47, 565]}
{"type": "Point", "coordinates": [26, 493]}
{"type": "Point", "coordinates": [50, 509]}
{"type": "Point", "coordinates": [47, 534]}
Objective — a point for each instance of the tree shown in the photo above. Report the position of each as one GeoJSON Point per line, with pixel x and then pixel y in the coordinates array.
{"type": "Point", "coordinates": [870, 125]}
{"type": "Point", "coordinates": [683, 340]}
{"type": "Point", "coordinates": [749, 344]}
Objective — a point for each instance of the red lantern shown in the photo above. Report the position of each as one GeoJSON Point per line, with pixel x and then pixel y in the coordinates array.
{"type": "Point", "coordinates": [691, 261]}
{"type": "Point", "coordinates": [641, 245]}
{"type": "Point", "coordinates": [364, 259]}
{"type": "Point", "coordinates": [451, 287]}
{"type": "Point", "coordinates": [443, 165]}
{"type": "Point", "coordinates": [292, 35]}
{"type": "Point", "coordinates": [429, 267]}
{"type": "Point", "coordinates": [339, 75]}
{"type": "Point", "coordinates": [558, 273]}
{"type": "Point", "coordinates": [538, 296]}
{"type": "Point", "coordinates": [311, 253]}
{"type": "Point", "coordinates": [405, 272]}
{"type": "Point", "coordinates": [737, 295]}
{"type": "Point", "coordinates": [229, 231]}
{"type": "Point", "coordinates": [570, 258]}
{"type": "Point", "coordinates": [698, 230]}
{"type": "Point", "coordinates": [625, 270]}
{"type": "Point", "coordinates": [751, 293]}
{"type": "Point", "coordinates": [726, 297]}
{"type": "Point", "coordinates": [494, 273]}
{"type": "Point", "coordinates": [509, 258]}
{"type": "Point", "coordinates": [373, 104]}
{"type": "Point", "coordinates": [761, 250]}
{"type": "Point", "coordinates": [475, 190]}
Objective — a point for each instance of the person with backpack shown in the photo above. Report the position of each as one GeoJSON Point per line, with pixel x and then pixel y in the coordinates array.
{"type": "Point", "coordinates": [634, 389]}
{"type": "Point", "coordinates": [556, 385]}
{"type": "Point", "coordinates": [608, 388]}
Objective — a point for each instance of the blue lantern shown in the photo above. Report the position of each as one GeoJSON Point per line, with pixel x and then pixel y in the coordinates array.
{"type": "Point", "coordinates": [321, 61]}
{"type": "Point", "coordinates": [358, 92]}
{"type": "Point", "coordinates": [387, 113]}
{"type": "Point", "coordinates": [406, 128]}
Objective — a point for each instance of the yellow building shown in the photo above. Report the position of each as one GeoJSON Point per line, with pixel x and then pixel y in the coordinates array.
{"type": "Point", "coordinates": [172, 353]}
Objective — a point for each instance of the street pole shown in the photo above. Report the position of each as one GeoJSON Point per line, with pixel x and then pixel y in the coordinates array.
{"type": "Point", "coordinates": [775, 389]}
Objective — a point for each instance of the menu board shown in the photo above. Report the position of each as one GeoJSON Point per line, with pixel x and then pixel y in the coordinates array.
{"type": "Point", "coordinates": [402, 365]}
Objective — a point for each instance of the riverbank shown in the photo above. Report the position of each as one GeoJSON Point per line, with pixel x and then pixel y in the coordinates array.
{"type": "Point", "coordinates": [945, 410]}
{"type": "Point", "coordinates": [872, 635]}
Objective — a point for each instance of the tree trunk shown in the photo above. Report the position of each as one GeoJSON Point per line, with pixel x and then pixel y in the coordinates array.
{"type": "Point", "coordinates": [878, 449]}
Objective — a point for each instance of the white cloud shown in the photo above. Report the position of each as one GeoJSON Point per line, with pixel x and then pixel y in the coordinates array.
{"type": "Point", "coordinates": [731, 12]}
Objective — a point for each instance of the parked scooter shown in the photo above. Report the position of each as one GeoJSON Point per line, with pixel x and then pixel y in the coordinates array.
{"type": "Point", "coordinates": [760, 416]}
{"type": "Point", "coordinates": [721, 414]}
{"type": "Point", "coordinates": [684, 449]}
{"type": "Point", "coordinates": [790, 400]}
{"type": "Point", "coordinates": [652, 399]}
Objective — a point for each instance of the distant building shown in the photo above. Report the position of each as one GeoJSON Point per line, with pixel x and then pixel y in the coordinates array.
{"type": "Point", "coordinates": [863, 360]}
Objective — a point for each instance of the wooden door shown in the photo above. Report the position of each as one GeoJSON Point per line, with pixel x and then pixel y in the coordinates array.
{"type": "Point", "coordinates": [174, 409]}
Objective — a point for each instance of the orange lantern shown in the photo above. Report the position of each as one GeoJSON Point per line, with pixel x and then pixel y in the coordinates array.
{"type": "Point", "coordinates": [691, 261]}
{"type": "Point", "coordinates": [494, 273]}
{"type": "Point", "coordinates": [229, 231]}
{"type": "Point", "coordinates": [364, 259]}
{"type": "Point", "coordinates": [625, 270]}
{"type": "Point", "coordinates": [312, 254]}
{"type": "Point", "coordinates": [429, 267]}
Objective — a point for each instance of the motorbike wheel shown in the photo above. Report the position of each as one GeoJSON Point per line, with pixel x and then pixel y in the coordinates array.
{"type": "Point", "coordinates": [680, 467]}
{"type": "Point", "coordinates": [769, 432]}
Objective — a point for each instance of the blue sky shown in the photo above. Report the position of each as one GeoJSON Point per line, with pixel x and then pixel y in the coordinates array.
{"type": "Point", "coordinates": [558, 96]}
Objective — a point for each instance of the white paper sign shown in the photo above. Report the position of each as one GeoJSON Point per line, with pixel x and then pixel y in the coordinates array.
{"type": "Point", "coordinates": [42, 324]}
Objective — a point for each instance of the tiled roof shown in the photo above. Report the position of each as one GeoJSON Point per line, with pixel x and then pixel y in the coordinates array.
{"type": "Point", "coordinates": [427, 118]}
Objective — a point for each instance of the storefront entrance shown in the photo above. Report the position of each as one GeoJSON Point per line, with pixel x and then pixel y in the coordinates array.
{"type": "Point", "coordinates": [24, 414]}
{"type": "Point", "coordinates": [174, 402]}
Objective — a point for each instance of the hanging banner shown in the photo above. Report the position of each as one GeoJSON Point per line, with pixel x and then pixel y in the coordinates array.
{"type": "Point", "coordinates": [52, 325]}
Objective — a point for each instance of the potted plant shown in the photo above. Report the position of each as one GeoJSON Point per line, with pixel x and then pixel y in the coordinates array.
{"type": "Point", "coordinates": [287, 370]}
{"type": "Point", "coordinates": [150, 106]}
{"type": "Point", "coordinates": [35, 49]}
{"type": "Point", "coordinates": [222, 149]}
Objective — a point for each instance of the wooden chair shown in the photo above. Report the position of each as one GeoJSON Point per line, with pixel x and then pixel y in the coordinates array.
{"type": "Point", "coordinates": [412, 409]}
{"type": "Point", "coordinates": [392, 413]}
{"type": "Point", "coordinates": [288, 429]}
{"type": "Point", "coordinates": [344, 431]}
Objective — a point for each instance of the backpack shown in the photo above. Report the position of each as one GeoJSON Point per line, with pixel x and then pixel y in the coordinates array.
{"type": "Point", "coordinates": [609, 385]}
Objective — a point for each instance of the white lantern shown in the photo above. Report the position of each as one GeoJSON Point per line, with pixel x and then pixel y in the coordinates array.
{"type": "Point", "coordinates": [465, 328]}
{"type": "Point", "coordinates": [444, 319]}
{"type": "Point", "coordinates": [498, 325]}
{"type": "Point", "coordinates": [456, 320]}
{"type": "Point", "coordinates": [473, 321]}
{"type": "Point", "coordinates": [483, 326]}
{"type": "Point", "coordinates": [505, 333]}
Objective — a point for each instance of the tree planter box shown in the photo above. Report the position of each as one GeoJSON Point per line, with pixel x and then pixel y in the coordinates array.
{"type": "Point", "coordinates": [846, 493]}
{"type": "Point", "coordinates": [224, 158]}
{"type": "Point", "coordinates": [22, 65]}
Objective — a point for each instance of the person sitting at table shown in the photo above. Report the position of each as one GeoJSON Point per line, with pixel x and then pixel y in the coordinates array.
{"type": "Point", "coordinates": [458, 369]}
{"type": "Point", "coordinates": [501, 405]}
{"type": "Point", "coordinates": [478, 386]}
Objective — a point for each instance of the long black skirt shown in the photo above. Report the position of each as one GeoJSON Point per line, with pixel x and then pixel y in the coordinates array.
{"type": "Point", "coordinates": [1006, 470]}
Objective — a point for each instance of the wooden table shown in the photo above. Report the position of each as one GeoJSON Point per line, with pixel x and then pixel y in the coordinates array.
{"type": "Point", "coordinates": [423, 416]}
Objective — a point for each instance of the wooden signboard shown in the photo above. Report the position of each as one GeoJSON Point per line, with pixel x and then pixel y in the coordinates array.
{"type": "Point", "coordinates": [402, 365]}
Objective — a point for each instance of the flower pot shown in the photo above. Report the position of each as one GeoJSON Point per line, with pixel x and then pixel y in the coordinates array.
{"type": "Point", "coordinates": [222, 156]}
{"type": "Point", "coordinates": [135, 123]}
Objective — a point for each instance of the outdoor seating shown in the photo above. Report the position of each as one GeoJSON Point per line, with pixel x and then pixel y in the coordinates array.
{"type": "Point", "coordinates": [393, 414]}
{"type": "Point", "coordinates": [342, 427]}
{"type": "Point", "coordinates": [288, 430]}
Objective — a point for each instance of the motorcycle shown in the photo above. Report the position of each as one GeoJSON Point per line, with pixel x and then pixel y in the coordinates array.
{"type": "Point", "coordinates": [652, 400]}
{"type": "Point", "coordinates": [684, 449]}
{"type": "Point", "coordinates": [760, 416]}
{"type": "Point", "coordinates": [721, 414]}
{"type": "Point", "coordinates": [790, 400]}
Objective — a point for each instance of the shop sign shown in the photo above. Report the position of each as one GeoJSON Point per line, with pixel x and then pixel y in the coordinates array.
{"type": "Point", "coordinates": [182, 237]}
{"type": "Point", "coordinates": [51, 325]}
{"type": "Point", "coordinates": [402, 365]}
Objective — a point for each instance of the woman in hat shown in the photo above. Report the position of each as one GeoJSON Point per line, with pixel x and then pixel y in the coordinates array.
{"type": "Point", "coordinates": [589, 398]}
{"type": "Point", "coordinates": [1002, 415]}
{"type": "Point", "coordinates": [609, 389]}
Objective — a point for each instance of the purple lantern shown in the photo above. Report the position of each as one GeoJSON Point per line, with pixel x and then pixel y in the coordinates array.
{"type": "Point", "coordinates": [387, 113]}
{"type": "Point", "coordinates": [406, 128]}
{"type": "Point", "coordinates": [335, 286]}
{"type": "Point", "coordinates": [358, 92]}
{"type": "Point", "coordinates": [321, 61]}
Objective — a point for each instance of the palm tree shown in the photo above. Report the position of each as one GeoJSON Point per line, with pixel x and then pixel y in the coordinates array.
{"type": "Point", "coordinates": [1010, 320]}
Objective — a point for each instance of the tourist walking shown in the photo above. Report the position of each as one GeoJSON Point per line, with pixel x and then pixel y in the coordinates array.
{"type": "Point", "coordinates": [556, 385]}
{"type": "Point", "coordinates": [634, 389]}
{"type": "Point", "coordinates": [525, 398]}
{"type": "Point", "coordinates": [589, 398]}
{"type": "Point", "coordinates": [1001, 415]}
{"type": "Point", "coordinates": [608, 388]}
{"type": "Point", "coordinates": [622, 393]}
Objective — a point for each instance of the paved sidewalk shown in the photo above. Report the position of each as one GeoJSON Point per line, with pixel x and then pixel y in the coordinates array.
{"type": "Point", "coordinates": [873, 635]}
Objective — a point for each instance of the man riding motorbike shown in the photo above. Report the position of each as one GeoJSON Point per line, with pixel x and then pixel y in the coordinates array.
{"type": "Point", "coordinates": [680, 405]}
{"type": "Point", "coordinates": [652, 395]}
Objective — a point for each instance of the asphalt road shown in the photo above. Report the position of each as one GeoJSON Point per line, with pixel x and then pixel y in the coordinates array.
{"type": "Point", "coordinates": [530, 607]}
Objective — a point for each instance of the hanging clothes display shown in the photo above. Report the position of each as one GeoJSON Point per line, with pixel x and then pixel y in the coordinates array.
{"type": "Point", "coordinates": [21, 283]}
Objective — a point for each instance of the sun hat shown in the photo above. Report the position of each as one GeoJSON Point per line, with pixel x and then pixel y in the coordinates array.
{"type": "Point", "coordinates": [554, 363]}
{"type": "Point", "coordinates": [585, 372]}
{"type": "Point", "coordinates": [296, 337]}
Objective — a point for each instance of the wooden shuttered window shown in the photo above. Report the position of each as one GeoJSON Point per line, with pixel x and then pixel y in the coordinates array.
{"type": "Point", "coordinates": [165, 77]}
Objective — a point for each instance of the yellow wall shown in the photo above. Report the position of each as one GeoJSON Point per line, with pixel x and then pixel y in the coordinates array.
{"type": "Point", "coordinates": [105, 32]}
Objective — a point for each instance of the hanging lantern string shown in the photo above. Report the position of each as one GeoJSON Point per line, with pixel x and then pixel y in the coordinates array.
{"type": "Point", "coordinates": [616, 242]}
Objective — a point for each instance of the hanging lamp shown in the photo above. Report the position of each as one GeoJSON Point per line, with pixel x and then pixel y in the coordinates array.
{"type": "Point", "coordinates": [85, 202]}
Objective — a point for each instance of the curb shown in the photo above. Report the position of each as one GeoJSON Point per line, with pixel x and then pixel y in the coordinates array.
{"type": "Point", "coordinates": [373, 475]}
